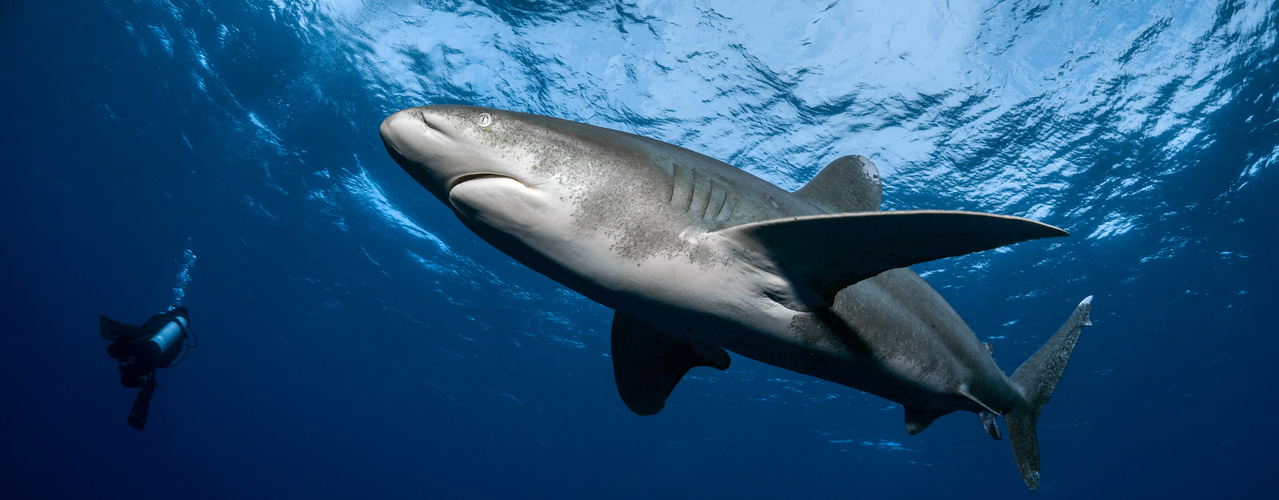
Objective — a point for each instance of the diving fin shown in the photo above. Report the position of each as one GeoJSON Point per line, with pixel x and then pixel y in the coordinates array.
{"type": "Point", "coordinates": [142, 403]}
{"type": "Point", "coordinates": [112, 329]}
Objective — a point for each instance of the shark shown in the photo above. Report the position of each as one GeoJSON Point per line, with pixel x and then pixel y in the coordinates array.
{"type": "Point", "coordinates": [698, 258]}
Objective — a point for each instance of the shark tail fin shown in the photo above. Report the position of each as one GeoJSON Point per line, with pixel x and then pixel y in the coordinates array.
{"type": "Point", "coordinates": [1037, 378]}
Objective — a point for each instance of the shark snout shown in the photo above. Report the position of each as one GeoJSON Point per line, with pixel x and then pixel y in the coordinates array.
{"type": "Point", "coordinates": [388, 140]}
{"type": "Point", "coordinates": [438, 149]}
{"type": "Point", "coordinates": [397, 131]}
{"type": "Point", "coordinates": [417, 148]}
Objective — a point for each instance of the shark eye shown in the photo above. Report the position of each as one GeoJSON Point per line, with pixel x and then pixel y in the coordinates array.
{"type": "Point", "coordinates": [484, 119]}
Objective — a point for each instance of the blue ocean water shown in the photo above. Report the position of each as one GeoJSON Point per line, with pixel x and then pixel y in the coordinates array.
{"type": "Point", "coordinates": [358, 341]}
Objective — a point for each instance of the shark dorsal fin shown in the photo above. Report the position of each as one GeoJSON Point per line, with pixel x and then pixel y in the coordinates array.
{"type": "Point", "coordinates": [848, 184]}
{"type": "Point", "coordinates": [647, 364]}
{"type": "Point", "coordinates": [817, 256]}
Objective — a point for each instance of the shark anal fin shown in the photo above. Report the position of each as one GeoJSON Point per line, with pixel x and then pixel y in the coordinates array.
{"type": "Point", "coordinates": [647, 364]}
{"type": "Point", "coordinates": [848, 184]}
{"type": "Point", "coordinates": [819, 255]}
{"type": "Point", "coordinates": [918, 419]}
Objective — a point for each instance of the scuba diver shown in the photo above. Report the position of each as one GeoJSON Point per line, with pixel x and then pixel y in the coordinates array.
{"type": "Point", "coordinates": [142, 349]}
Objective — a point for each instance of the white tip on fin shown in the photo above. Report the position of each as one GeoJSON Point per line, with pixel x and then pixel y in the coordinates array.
{"type": "Point", "coordinates": [1087, 301]}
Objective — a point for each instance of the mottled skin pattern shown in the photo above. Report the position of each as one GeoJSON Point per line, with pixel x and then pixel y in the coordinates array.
{"type": "Point", "coordinates": [635, 224]}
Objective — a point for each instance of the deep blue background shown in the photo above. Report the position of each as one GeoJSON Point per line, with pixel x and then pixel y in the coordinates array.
{"type": "Point", "coordinates": [357, 341]}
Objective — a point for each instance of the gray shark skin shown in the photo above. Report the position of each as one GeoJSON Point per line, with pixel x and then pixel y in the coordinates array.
{"type": "Point", "coordinates": [697, 257]}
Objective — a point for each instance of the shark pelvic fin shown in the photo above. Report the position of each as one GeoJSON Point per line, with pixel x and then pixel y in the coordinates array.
{"type": "Point", "coordinates": [819, 255]}
{"type": "Point", "coordinates": [647, 364]}
{"type": "Point", "coordinates": [991, 424]}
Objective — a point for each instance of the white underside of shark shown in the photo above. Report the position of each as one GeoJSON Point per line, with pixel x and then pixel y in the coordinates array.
{"type": "Point", "coordinates": [698, 258]}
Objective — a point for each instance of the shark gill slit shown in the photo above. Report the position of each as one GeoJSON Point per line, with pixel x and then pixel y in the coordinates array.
{"type": "Point", "coordinates": [730, 203]}
{"type": "Point", "coordinates": [674, 182]}
{"type": "Point", "coordinates": [682, 187]}
{"type": "Point", "coordinates": [708, 190]}
{"type": "Point", "coordinates": [695, 182]}
{"type": "Point", "coordinates": [719, 197]}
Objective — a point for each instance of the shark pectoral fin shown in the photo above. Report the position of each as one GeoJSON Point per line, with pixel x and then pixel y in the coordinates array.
{"type": "Point", "coordinates": [647, 364]}
{"type": "Point", "coordinates": [820, 255]}
{"type": "Point", "coordinates": [918, 419]}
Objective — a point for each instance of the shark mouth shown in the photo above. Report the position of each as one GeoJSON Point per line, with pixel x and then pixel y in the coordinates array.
{"type": "Point", "coordinates": [485, 175]}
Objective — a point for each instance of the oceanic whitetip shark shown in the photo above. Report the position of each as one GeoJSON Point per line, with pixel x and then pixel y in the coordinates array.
{"type": "Point", "coordinates": [697, 257]}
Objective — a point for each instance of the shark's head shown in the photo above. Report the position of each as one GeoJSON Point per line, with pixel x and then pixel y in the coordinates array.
{"type": "Point", "coordinates": [496, 169]}
{"type": "Point", "coordinates": [446, 147]}
{"type": "Point", "coordinates": [612, 215]}
{"type": "Point", "coordinates": [552, 193]}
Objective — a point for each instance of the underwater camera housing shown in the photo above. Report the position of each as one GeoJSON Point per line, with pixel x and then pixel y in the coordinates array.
{"type": "Point", "coordinates": [142, 349]}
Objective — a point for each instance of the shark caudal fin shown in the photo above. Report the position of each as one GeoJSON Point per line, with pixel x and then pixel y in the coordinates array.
{"type": "Point", "coordinates": [1037, 378]}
